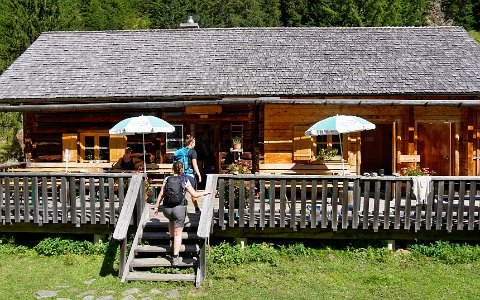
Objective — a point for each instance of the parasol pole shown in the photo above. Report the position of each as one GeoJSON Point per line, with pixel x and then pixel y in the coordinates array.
{"type": "Point", "coordinates": [144, 162]}
{"type": "Point", "coordinates": [341, 153]}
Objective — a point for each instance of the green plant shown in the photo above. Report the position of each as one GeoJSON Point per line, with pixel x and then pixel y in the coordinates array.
{"type": "Point", "coordinates": [58, 246]}
{"type": "Point", "coordinates": [149, 189]}
{"type": "Point", "coordinates": [89, 157]}
{"type": "Point", "coordinates": [236, 140]}
{"type": "Point", "coordinates": [417, 171]}
{"type": "Point", "coordinates": [325, 154]}
{"type": "Point", "coordinates": [237, 168]}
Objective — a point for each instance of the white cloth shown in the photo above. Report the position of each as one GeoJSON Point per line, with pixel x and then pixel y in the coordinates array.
{"type": "Point", "coordinates": [421, 188]}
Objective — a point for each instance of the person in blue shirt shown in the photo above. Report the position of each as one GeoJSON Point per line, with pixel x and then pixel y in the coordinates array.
{"type": "Point", "coordinates": [192, 169]}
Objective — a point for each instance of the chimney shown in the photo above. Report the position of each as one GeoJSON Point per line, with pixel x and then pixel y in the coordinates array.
{"type": "Point", "coordinates": [190, 23]}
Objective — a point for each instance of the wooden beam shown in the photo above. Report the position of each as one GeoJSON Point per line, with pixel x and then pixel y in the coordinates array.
{"type": "Point", "coordinates": [172, 103]}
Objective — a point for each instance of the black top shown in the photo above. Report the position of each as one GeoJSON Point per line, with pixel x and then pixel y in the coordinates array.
{"type": "Point", "coordinates": [127, 165]}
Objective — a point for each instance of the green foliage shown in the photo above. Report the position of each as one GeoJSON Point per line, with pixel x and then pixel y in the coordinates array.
{"type": "Point", "coordinates": [324, 154]}
{"type": "Point", "coordinates": [475, 35]}
{"type": "Point", "coordinates": [115, 14]}
{"type": "Point", "coordinates": [238, 168]}
{"type": "Point", "coordinates": [349, 13]}
{"type": "Point", "coordinates": [416, 171]}
{"type": "Point", "coordinates": [8, 246]}
{"type": "Point", "coordinates": [58, 246]}
{"type": "Point", "coordinates": [447, 252]}
{"type": "Point", "coordinates": [464, 13]}
{"type": "Point", "coordinates": [226, 254]}
{"type": "Point", "coordinates": [10, 124]}
{"type": "Point", "coordinates": [236, 140]}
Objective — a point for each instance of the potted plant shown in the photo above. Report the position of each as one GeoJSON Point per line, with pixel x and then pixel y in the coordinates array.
{"type": "Point", "coordinates": [237, 143]}
{"type": "Point", "coordinates": [241, 167]}
{"type": "Point", "coordinates": [417, 171]}
{"type": "Point", "coordinates": [326, 155]}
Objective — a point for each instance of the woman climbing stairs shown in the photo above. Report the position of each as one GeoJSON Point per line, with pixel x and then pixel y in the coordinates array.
{"type": "Point", "coordinates": [152, 254]}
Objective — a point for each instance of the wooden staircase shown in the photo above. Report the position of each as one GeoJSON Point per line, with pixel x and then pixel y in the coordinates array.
{"type": "Point", "coordinates": [150, 257]}
{"type": "Point", "coordinates": [150, 254]}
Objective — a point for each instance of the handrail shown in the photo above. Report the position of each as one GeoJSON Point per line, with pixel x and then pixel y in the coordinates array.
{"type": "Point", "coordinates": [15, 165]}
{"type": "Point", "coordinates": [123, 272]}
{"type": "Point", "coordinates": [126, 214]}
{"type": "Point", "coordinates": [206, 218]}
{"type": "Point", "coordinates": [347, 202]}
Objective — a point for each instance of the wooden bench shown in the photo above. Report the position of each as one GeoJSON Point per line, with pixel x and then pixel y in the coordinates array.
{"type": "Point", "coordinates": [62, 167]}
{"type": "Point", "coordinates": [327, 168]}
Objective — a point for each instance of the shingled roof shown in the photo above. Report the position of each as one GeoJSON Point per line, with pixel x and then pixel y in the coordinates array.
{"type": "Point", "coordinates": [165, 64]}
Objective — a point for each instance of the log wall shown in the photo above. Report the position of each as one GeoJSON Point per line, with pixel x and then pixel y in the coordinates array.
{"type": "Point", "coordinates": [285, 122]}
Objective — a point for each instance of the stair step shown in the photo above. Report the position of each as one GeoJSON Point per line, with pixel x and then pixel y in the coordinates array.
{"type": "Point", "coordinates": [148, 276]}
{"type": "Point", "coordinates": [165, 235]}
{"type": "Point", "coordinates": [166, 248]}
{"type": "Point", "coordinates": [155, 223]}
{"type": "Point", "coordinates": [150, 262]}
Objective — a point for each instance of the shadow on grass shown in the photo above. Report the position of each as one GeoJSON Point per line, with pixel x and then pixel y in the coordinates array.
{"type": "Point", "coordinates": [109, 260]}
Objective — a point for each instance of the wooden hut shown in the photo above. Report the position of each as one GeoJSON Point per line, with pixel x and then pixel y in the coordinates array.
{"type": "Point", "coordinates": [419, 85]}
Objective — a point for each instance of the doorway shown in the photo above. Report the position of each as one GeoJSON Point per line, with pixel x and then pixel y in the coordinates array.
{"type": "Point", "coordinates": [435, 146]}
{"type": "Point", "coordinates": [206, 137]}
{"type": "Point", "coordinates": [377, 150]}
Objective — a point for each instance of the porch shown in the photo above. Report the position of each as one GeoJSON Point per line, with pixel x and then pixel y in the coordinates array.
{"type": "Point", "coordinates": [257, 206]}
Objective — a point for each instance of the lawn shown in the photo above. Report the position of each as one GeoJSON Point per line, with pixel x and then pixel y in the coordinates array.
{"type": "Point", "coordinates": [260, 271]}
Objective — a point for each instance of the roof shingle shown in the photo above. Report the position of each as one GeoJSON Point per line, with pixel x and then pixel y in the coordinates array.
{"type": "Point", "coordinates": [245, 62]}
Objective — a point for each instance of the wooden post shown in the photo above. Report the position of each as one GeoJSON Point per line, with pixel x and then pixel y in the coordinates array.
{"type": "Point", "coordinates": [122, 257]}
{"type": "Point", "coordinates": [391, 245]}
{"type": "Point", "coordinates": [242, 242]}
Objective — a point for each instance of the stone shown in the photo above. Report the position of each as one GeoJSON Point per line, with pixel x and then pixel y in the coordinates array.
{"type": "Point", "coordinates": [45, 294]}
{"type": "Point", "coordinates": [130, 291]}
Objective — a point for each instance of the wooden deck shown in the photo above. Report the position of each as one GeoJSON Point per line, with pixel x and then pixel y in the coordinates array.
{"type": "Point", "coordinates": [270, 206]}
{"type": "Point", "coordinates": [353, 207]}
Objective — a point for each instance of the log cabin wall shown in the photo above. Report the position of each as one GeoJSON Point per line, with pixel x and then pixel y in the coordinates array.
{"type": "Point", "coordinates": [45, 132]}
{"type": "Point", "coordinates": [284, 124]}
{"type": "Point", "coordinates": [269, 132]}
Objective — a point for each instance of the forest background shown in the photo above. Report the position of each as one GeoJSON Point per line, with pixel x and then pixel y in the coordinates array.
{"type": "Point", "coordinates": [22, 21]}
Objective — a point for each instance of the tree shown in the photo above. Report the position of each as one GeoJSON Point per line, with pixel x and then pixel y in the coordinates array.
{"type": "Point", "coordinates": [115, 14]}
{"type": "Point", "coordinates": [465, 13]}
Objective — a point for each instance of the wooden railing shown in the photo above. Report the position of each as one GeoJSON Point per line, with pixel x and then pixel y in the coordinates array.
{"type": "Point", "coordinates": [68, 198]}
{"type": "Point", "coordinates": [134, 199]}
{"type": "Point", "coordinates": [12, 166]}
{"type": "Point", "coordinates": [350, 202]}
{"type": "Point", "coordinates": [205, 226]}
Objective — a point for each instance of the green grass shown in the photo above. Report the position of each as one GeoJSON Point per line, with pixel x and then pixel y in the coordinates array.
{"type": "Point", "coordinates": [475, 35]}
{"type": "Point", "coordinates": [258, 271]}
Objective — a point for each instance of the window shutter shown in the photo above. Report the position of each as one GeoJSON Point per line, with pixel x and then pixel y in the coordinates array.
{"type": "Point", "coordinates": [302, 145]}
{"type": "Point", "coordinates": [117, 147]}
{"type": "Point", "coordinates": [69, 141]}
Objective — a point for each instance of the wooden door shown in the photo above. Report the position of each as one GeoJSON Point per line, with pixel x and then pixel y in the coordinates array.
{"type": "Point", "coordinates": [434, 146]}
{"type": "Point", "coordinates": [377, 149]}
{"type": "Point", "coordinates": [207, 141]}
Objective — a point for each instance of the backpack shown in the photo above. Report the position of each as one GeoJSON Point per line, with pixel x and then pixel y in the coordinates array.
{"type": "Point", "coordinates": [174, 193]}
{"type": "Point", "coordinates": [181, 155]}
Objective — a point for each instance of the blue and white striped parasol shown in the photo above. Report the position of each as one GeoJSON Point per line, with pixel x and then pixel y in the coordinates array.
{"type": "Point", "coordinates": [141, 125]}
{"type": "Point", "coordinates": [337, 125]}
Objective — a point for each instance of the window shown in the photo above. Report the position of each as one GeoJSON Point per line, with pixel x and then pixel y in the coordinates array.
{"type": "Point", "coordinates": [328, 142]}
{"type": "Point", "coordinates": [236, 130]}
{"type": "Point", "coordinates": [95, 146]}
{"type": "Point", "coordinates": [175, 139]}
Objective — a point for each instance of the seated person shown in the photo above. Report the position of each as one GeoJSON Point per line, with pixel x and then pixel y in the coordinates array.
{"type": "Point", "coordinates": [129, 161]}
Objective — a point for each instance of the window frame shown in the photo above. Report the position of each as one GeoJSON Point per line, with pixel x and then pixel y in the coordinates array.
{"type": "Point", "coordinates": [96, 146]}
{"type": "Point", "coordinates": [175, 139]}
{"type": "Point", "coordinates": [329, 143]}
